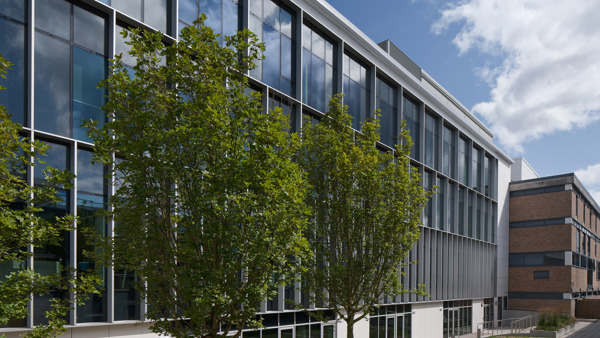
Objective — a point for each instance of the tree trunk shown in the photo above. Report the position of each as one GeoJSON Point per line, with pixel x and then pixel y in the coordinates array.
{"type": "Point", "coordinates": [350, 328]}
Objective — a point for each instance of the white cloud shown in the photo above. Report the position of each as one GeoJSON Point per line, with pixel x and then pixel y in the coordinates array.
{"type": "Point", "coordinates": [550, 78]}
{"type": "Point", "coordinates": [590, 177]}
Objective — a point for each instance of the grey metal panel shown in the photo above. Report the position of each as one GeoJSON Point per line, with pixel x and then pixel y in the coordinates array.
{"type": "Point", "coordinates": [404, 60]}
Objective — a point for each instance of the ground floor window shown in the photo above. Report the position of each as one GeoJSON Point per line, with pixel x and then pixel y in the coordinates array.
{"type": "Point", "coordinates": [294, 325]}
{"type": "Point", "coordinates": [390, 321]}
{"type": "Point", "coordinates": [458, 318]}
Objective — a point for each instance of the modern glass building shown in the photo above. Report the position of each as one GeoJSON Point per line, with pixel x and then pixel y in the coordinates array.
{"type": "Point", "coordinates": [60, 50]}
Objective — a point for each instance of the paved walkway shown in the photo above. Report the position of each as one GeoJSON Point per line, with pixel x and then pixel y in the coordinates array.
{"type": "Point", "coordinates": [586, 329]}
{"type": "Point", "coordinates": [583, 329]}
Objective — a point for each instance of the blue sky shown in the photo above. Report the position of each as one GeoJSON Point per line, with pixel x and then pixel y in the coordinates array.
{"type": "Point", "coordinates": [529, 69]}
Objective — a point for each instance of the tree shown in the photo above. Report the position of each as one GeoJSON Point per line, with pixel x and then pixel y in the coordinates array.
{"type": "Point", "coordinates": [23, 227]}
{"type": "Point", "coordinates": [366, 213]}
{"type": "Point", "coordinates": [208, 208]}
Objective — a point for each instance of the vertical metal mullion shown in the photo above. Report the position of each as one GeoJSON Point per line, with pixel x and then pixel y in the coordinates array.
{"type": "Point", "coordinates": [110, 271]}
{"type": "Point", "coordinates": [30, 52]}
{"type": "Point", "coordinates": [73, 237]}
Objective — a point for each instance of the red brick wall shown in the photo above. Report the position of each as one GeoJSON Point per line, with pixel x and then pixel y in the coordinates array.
{"type": "Point", "coordinates": [521, 279]}
{"type": "Point", "coordinates": [543, 238]}
{"type": "Point", "coordinates": [541, 206]}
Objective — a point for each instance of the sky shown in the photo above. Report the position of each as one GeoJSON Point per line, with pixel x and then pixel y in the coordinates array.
{"type": "Point", "coordinates": [529, 69]}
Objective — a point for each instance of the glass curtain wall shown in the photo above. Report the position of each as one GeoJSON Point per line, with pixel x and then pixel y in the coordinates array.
{"type": "Point", "coordinates": [274, 26]}
{"type": "Point", "coordinates": [91, 198]}
{"type": "Point", "coordinates": [221, 15]}
{"type": "Point", "coordinates": [356, 90]}
{"type": "Point", "coordinates": [52, 259]}
{"type": "Point", "coordinates": [412, 116]}
{"type": "Point", "coordinates": [431, 140]}
{"type": "Point", "coordinates": [154, 13]}
{"type": "Point", "coordinates": [318, 71]}
{"type": "Point", "coordinates": [449, 153]}
{"type": "Point", "coordinates": [12, 33]}
{"type": "Point", "coordinates": [70, 49]}
{"type": "Point", "coordinates": [386, 103]}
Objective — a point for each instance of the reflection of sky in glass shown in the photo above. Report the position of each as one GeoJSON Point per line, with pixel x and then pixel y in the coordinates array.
{"type": "Point", "coordinates": [55, 157]}
{"type": "Point", "coordinates": [52, 85]}
{"type": "Point", "coordinates": [12, 48]}
{"type": "Point", "coordinates": [90, 177]}
{"type": "Point", "coordinates": [88, 30]}
{"type": "Point", "coordinates": [155, 14]}
{"type": "Point", "coordinates": [133, 8]}
{"type": "Point", "coordinates": [54, 16]}
{"type": "Point", "coordinates": [188, 11]}
{"type": "Point", "coordinates": [13, 8]}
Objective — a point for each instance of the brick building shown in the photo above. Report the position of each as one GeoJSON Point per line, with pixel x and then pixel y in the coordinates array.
{"type": "Point", "coordinates": [554, 237]}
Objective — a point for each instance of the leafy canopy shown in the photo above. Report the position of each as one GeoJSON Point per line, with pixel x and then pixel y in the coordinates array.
{"type": "Point", "coordinates": [209, 204]}
{"type": "Point", "coordinates": [366, 213]}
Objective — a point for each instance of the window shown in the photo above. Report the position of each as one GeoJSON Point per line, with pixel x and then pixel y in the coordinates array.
{"type": "Point", "coordinates": [488, 172]}
{"type": "Point", "coordinates": [318, 72]}
{"type": "Point", "coordinates": [451, 207]}
{"type": "Point", "coordinates": [541, 274]}
{"type": "Point", "coordinates": [51, 258]}
{"type": "Point", "coordinates": [463, 161]}
{"type": "Point", "coordinates": [151, 12]}
{"type": "Point", "coordinates": [386, 103]}
{"type": "Point", "coordinates": [428, 212]}
{"type": "Point", "coordinates": [413, 124]}
{"type": "Point", "coordinates": [440, 197]}
{"type": "Point", "coordinates": [461, 211]}
{"type": "Point", "coordinates": [431, 140]}
{"type": "Point", "coordinates": [449, 152]}
{"type": "Point", "coordinates": [221, 15]}
{"type": "Point", "coordinates": [476, 169]}
{"type": "Point", "coordinates": [73, 63]}
{"type": "Point", "coordinates": [471, 215]}
{"type": "Point", "coordinates": [357, 91]}
{"type": "Point", "coordinates": [273, 25]}
{"type": "Point", "coordinates": [12, 32]}
{"type": "Point", "coordinates": [91, 198]}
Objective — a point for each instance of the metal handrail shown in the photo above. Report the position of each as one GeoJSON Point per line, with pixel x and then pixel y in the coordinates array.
{"type": "Point", "coordinates": [507, 325]}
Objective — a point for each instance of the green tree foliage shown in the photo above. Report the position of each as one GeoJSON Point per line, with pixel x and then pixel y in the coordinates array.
{"type": "Point", "coordinates": [22, 227]}
{"type": "Point", "coordinates": [366, 213]}
{"type": "Point", "coordinates": [209, 207]}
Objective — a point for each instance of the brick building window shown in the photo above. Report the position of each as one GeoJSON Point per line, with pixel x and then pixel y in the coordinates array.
{"type": "Point", "coordinates": [541, 274]}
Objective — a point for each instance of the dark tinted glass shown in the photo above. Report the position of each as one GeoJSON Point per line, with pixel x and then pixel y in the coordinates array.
{"type": "Point", "coordinates": [13, 8]}
{"type": "Point", "coordinates": [188, 10]}
{"type": "Point", "coordinates": [90, 177]}
{"type": "Point", "coordinates": [52, 85]}
{"type": "Point", "coordinates": [88, 70]}
{"type": "Point", "coordinates": [55, 157]}
{"type": "Point", "coordinates": [13, 49]}
{"type": "Point", "coordinates": [89, 30]}
{"type": "Point", "coordinates": [54, 16]}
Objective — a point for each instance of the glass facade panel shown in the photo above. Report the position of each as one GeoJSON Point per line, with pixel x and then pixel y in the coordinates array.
{"type": "Point", "coordinates": [440, 198]}
{"type": "Point", "coordinates": [13, 49]}
{"type": "Point", "coordinates": [91, 199]}
{"type": "Point", "coordinates": [54, 17]}
{"type": "Point", "coordinates": [133, 8]}
{"type": "Point", "coordinates": [386, 103]}
{"type": "Point", "coordinates": [52, 85]}
{"type": "Point", "coordinates": [88, 70]}
{"type": "Point", "coordinates": [51, 259]}
{"type": "Point", "coordinates": [412, 116]}
{"type": "Point", "coordinates": [431, 140]}
{"type": "Point", "coordinates": [274, 29]}
{"type": "Point", "coordinates": [449, 153]}
{"type": "Point", "coordinates": [476, 169]}
{"type": "Point", "coordinates": [317, 73]}
{"type": "Point", "coordinates": [14, 9]}
{"type": "Point", "coordinates": [462, 225]}
{"type": "Point", "coordinates": [87, 29]}
{"type": "Point", "coordinates": [427, 211]}
{"type": "Point", "coordinates": [356, 90]}
{"type": "Point", "coordinates": [155, 14]}
{"type": "Point", "coordinates": [463, 161]}
{"type": "Point", "coordinates": [451, 207]}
